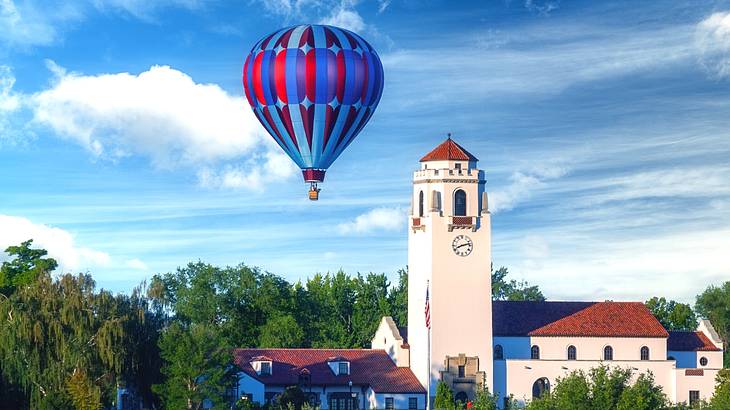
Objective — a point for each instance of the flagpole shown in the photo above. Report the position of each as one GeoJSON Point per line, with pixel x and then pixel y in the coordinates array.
{"type": "Point", "coordinates": [428, 353]}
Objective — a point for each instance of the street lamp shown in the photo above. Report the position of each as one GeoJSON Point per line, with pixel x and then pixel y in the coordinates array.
{"type": "Point", "coordinates": [352, 395]}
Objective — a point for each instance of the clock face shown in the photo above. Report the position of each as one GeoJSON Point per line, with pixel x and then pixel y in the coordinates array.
{"type": "Point", "coordinates": [462, 245]}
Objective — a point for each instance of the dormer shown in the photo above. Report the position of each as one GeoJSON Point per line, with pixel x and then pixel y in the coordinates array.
{"type": "Point", "coordinates": [262, 365]}
{"type": "Point", "coordinates": [339, 365]}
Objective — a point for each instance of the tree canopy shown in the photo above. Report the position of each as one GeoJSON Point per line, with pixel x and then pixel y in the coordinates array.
{"type": "Point", "coordinates": [672, 315]}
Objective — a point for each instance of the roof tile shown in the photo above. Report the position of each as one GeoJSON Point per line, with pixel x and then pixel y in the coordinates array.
{"type": "Point", "coordinates": [690, 342]}
{"type": "Point", "coordinates": [371, 367]}
{"type": "Point", "coordinates": [449, 150]}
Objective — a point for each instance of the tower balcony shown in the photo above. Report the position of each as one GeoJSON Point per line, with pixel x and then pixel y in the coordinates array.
{"type": "Point", "coordinates": [462, 222]}
{"type": "Point", "coordinates": [417, 223]}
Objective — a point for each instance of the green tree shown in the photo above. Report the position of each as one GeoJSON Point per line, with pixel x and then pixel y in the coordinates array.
{"type": "Point", "coordinates": [61, 336]}
{"type": "Point", "coordinates": [503, 289]}
{"type": "Point", "coordinates": [444, 399]}
{"type": "Point", "coordinates": [721, 398]}
{"type": "Point", "coordinates": [672, 315]}
{"type": "Point", "coordinates": [714, 304]}
{"type": "Point", "coordinates": [607, 385]}
{"type": "Point", "coordinates": [24, 267]}
{"type": "Point", "coordinates": [399, 299]}
{"type": "Point", "coordinates": [484, 400]}
{"type": "Point", "coordinates": [371, 303]}
{"type": "Point", "coordinates": [281, 331]}
{"type": "Point", "coordinates": [642, 395]}
{"type": "Point", "coordinates": [292, 398]}
{"type": "Point", "coordinates": [197, 366]}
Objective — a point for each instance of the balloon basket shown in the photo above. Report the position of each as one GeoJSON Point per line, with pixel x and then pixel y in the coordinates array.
{"type": "Point", "coordinates": [313, 192]}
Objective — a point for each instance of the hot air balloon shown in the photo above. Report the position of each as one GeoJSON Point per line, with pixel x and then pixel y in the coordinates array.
{"type": "Point", "coordinates": [313, 87]}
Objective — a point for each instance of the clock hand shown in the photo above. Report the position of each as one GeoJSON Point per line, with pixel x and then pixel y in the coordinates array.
{"type": "Point", "coordinates": [463, 244]}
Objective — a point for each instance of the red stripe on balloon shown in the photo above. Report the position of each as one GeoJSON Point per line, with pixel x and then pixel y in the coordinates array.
{"type": "Point", "coordinates": [280, 76]}
{"type": "Point", "coordinates": [307, 122]}
{"type": "Point", "coordinates": [271, 123]}
{"type": "Point", "coordinates": [258, 86]}
{"type": "Point", "coordinates": [284, 39]}
{"type": "Point", "coordinates": [311, 76]}
{"type": "Point", "coordinates": [245, 81]}
{"type": "Point", "coordinates": [340, 76]}
{"type": "Point", "coordinates": [285, 116]}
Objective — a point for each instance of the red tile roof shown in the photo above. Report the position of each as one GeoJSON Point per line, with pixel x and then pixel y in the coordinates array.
{"type": "Point", "coordinates": [370, 367]}
{"type": "Point", "coordinates": [449, 150]}
{"type": "Point", "coordinates": [606, 319]}
{"type": "Point", "coordinates": [690, 342]}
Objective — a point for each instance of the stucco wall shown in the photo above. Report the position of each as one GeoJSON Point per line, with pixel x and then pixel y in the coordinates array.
{"type": "Point", "coordinates": [591, 348]}
{"type": "Point", "coordinates": [388, 338]}
{"type": "Point", "coordinates": [249, 385]}
{"type": "Point", "coordinates": [705, 384]}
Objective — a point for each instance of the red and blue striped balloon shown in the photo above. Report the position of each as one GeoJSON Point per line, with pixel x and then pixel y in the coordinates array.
{"type": "Point", "coordinates": [313, 88]}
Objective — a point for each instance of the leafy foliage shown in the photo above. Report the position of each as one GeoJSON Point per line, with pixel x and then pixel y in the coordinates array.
{"type": "Point", "coordinates": [444, 399]}
{"type": "Point", "coordinates": [25, 266]}
{"type": "Point", "coordinates": [196, 367]}
{"type": "Point", "coordinates": [602, 389]}
{"type": "Point", "coordinates": [672, 315]}
{"type": "Point", "coordinates": [61, 340]}
{"type": "Point", "coordinates": [503, 289]}
{"type": "Point", "coordinates": [721, 398]}
{"type": "Point", "coordinates": [714, 304]}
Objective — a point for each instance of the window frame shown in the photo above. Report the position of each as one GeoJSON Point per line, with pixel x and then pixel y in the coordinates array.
{"type": "Point", "coordinates": [703, 361]}
{"type": "Point", "coordinates": [608, 353]}
{"type": "Point", "coordinates": [694, 400]}
{"type": "Point", "coordinates": [421, 203]}
{"type": "Point", "coordinates": [340, 367]}
{"type": "Point", "coordinates": [572, 349]}
{"type": "Point", "coordinates": [457, 210]}
{"type": "Point", "coordinates": [267, 366]}
{"type": "Point", "coordinates": [389, 403]}
{"type": "Point", "coordinates": [535, 352]}
{"type": "Point", "coordinates": [498, 352]}
{"type": "Point", "coordinates": [461, 369]}
{"type": "Point", "coordinates": [647, 356]}
{"type": "Point", "coordinates": [413, 403]}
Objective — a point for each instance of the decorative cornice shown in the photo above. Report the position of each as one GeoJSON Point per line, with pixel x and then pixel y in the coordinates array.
{"type": "Point", "coordinates": [453, 181]}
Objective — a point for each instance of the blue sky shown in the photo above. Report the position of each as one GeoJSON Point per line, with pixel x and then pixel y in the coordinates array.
{"type": "Point", "coordinates": [127, 148]}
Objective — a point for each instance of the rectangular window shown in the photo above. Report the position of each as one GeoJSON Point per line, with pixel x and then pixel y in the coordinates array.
{"type": "Point", "coordinates": [694, 397]}
{"type": "Point", "coordinates": [344, 368]}
{"type": "Point", "coordinates": [462, 371]}
{"type": "Point", "coordinates": [412, 403]}
{"type": "Point", "coordinates": [388, 403]}
{"type": "Point", "coordinates": [265, 368]}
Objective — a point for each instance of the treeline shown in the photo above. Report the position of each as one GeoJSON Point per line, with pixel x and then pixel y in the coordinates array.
{"type": "Point", "coordinates": [64, 344]}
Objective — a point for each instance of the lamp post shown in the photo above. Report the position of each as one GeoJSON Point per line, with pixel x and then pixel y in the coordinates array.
{"type": "Point", "coordinates": [352, 396]}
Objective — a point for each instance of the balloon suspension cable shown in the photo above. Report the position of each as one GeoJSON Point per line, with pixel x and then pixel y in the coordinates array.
{"type": "Point", "coordinates": [313, 191]}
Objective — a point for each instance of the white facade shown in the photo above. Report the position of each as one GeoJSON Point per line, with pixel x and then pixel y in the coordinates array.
{"type": "Point", "coordinates": [452, 254]}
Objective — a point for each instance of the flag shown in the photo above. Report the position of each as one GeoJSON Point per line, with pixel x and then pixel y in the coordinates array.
{"type": "Point", "coordinates": [428, 311]}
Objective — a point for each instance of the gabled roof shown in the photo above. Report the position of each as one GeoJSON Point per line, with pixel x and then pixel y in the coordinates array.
{"type": "Point", "coordinates": [449, 151]}
{"type": "Point", "coordinates": [690, 342]}
{"type": "Point", "coordinates": [370, 367]}
{"type": "Point", "coordinates": [521, 318]}
{"type": "Point", "coordinates": [578, 319]}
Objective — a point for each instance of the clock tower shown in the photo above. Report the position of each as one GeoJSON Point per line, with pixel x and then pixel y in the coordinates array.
{"type": "Point", "coordinates": [449, 252]}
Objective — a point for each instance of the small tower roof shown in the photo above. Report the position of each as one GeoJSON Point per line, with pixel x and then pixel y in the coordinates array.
{"type": "Point", "coordinates": [449, 151]}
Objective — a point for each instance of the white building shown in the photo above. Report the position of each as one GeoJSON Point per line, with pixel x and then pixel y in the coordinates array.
{"type": "Point", "coordinates": [516, 348]}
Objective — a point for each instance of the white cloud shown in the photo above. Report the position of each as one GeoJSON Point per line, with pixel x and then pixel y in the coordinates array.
{"type": "Point", "coordinates": [160, 113]}
{"type": "Point", "coordinates": [136, 264]}
{"type": "Point", "coordinates": [275, 167]}
{"type": "Point", "coordinates": [712, 37]}
{"type": "Point", "coordinates": [542, 7]}
{"type": "Point", "coordinates": [24, 26]}
{"type": "Point", "coordinates": [378, 219]}
{"type": "Point", "coordinates": [521, 186]}
{"type": "Point", "coordinates": [345, 17]}
{"type": "Point", "coordinates": [164, 115]}
{"type": "Point", "coordinates": [59, 243]}
{"type": "Point", "coordinates": [9, 101]}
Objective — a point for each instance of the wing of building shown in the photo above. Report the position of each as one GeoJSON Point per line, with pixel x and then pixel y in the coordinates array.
{"type": "Point", "coordinates": [516, 349]}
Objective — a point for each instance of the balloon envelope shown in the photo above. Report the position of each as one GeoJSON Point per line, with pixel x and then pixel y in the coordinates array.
{"type": "Point", "coordinates": [313, 87]}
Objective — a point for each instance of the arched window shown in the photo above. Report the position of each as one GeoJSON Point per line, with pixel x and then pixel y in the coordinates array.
{"type": "Point", "coordinates": [498, 352]}
{"type": "Point", "coordinates": [462, 397]}
{"type": "Point", "coordinates": [459, 203]}
{"type": "Point", "coordinates": [420, 203]}
{"type": "Point", "coordinates": [608, 353]}
{"type": "Point", "coordinates": [703, 361]}
{"type": "Point", "coordinates": [572, 353]}
{"type": "Point", "coordinates": [644, 353]}
{"type": "Point", "coordinates": [535, 352]}
{"type": "Point", "coordinates": [540, 387]}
